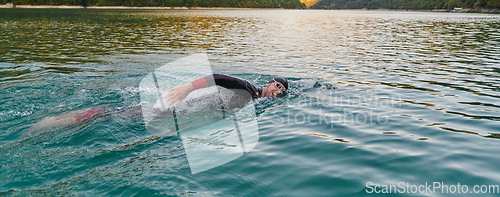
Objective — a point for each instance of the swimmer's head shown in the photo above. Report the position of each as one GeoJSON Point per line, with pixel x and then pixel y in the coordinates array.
{"type": "Point", "coordinates": [275, 87]}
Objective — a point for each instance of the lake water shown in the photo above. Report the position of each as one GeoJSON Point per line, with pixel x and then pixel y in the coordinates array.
{"type": "Point", "coordinates": [376, 98]}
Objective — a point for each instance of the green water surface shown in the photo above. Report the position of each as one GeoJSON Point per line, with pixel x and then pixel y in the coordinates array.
{"type": "Point", "coordinates": [375, 96]}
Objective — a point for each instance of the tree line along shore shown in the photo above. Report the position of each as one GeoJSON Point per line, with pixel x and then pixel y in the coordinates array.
{"type": "Point", "coordinates": [288, 4]}
{"type": "Point", "coordinates": [442, 5]}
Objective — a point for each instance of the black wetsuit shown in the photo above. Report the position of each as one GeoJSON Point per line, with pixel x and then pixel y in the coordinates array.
{"type": "Point", "coordinates": [235, 94]}
{"type": "Point", "coordinates": [230, 82]}
{"type": "Point", "coordinates": [242, 92]}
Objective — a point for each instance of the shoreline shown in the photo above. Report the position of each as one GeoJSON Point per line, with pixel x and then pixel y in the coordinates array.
{"type": "Point", "coordinates": [127, 7]}
{"type": "Point", "coordinates": [466, 10]}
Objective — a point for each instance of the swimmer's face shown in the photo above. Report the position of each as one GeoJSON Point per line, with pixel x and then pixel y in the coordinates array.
{"type": "Point", "coordinates": [273, 89]}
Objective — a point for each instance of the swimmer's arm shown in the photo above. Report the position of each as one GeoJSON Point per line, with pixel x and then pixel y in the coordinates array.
{"type": "Point", "coordinates": [179, 93]}
{"type": "Point", "coordinates": [225, 81]}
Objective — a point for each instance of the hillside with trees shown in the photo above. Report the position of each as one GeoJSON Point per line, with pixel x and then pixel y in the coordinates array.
{"type": "Point", "coordinates": [293, 4]}
{"type": "Point", "coordinates": [406, 4]}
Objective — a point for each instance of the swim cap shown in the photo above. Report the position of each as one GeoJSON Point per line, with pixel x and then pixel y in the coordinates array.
{"type": "Point", "coordinates": [281, 80]}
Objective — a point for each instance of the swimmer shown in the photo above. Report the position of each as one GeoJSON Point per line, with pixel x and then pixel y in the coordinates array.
{"type": "Point", "coordinates": [275, 87]}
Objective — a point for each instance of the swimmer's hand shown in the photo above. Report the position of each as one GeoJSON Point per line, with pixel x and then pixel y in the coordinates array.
{"type": "Point", "coordinates": [178, 93]}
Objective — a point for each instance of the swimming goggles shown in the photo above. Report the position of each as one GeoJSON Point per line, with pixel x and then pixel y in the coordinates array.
{"type": "Point", "coordinates": [279, 86]}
